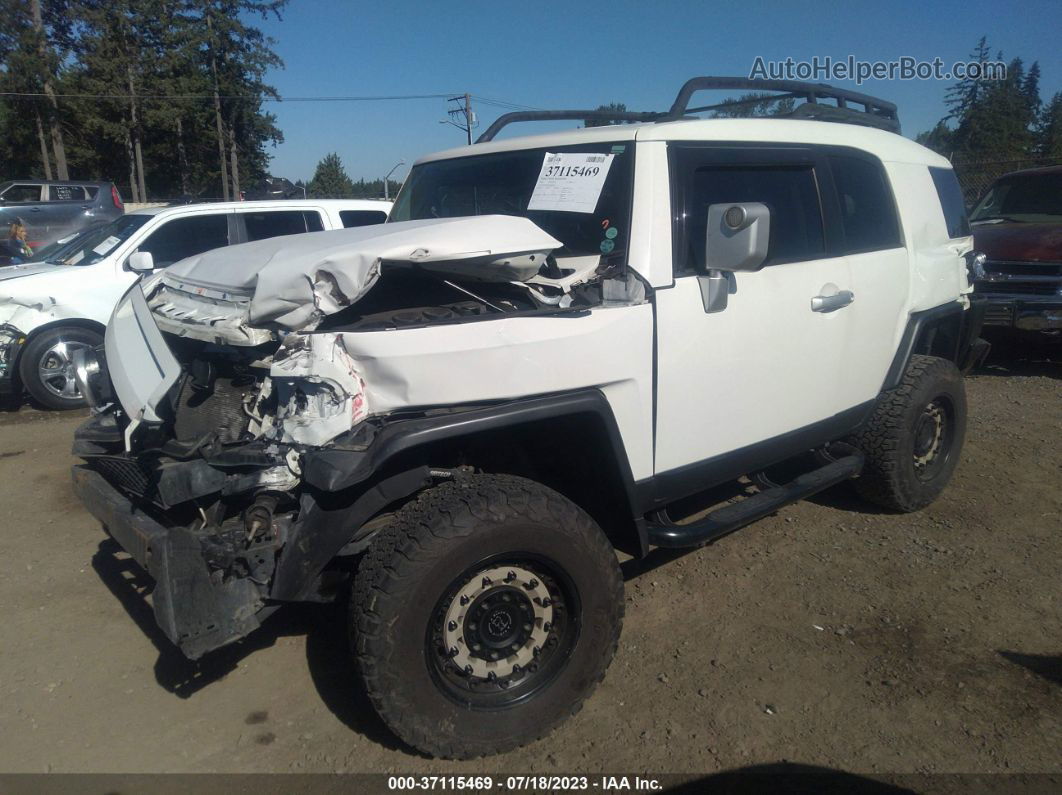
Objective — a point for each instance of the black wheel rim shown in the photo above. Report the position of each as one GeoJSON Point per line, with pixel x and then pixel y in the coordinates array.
{"type": "Point", "coordinates": [503, 630]}
{"type": "Point", "coordinates": [934, 434]}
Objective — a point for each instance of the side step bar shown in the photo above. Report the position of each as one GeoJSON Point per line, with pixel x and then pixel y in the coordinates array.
{"type": "Point", "coordinates": [733, 517]}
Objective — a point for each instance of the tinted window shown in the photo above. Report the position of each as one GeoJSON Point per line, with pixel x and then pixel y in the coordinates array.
{"type": "Point", "coordinates": [789, 192]}
{"type": "Point", "coordinates": [66, 193]}
{"type": "Point", "coordinates": [951, 201]}
{"type": "Point", "coordinates": [186, 237]}
{"type": "Point", "coordinates": [361, 217]}
{"type": "Point", "coordinates": [280, 222]}
{"type": "Point", "coordinates": [22, 193]}
{"type": "Point", "coordinates": [868, 212]}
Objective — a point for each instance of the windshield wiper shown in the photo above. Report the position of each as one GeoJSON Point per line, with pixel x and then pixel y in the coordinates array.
{"type": "Point", "coordinates": [987, 218]}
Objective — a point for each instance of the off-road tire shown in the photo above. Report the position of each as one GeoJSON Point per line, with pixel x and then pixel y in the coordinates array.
{"type": "Point", "coordinates": [450, 529]}
{"type": "Point", "coordinates": [890, 477]}
{"type": "Point", "coordinates": [31, 359]}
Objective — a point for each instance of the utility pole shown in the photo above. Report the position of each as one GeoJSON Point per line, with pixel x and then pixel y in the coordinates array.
{"type": "Point", "coordinates": [463, 109]}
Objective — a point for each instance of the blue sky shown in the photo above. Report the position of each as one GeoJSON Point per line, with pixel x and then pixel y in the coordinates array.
{"type": "Point", "coordinates": [573, 54]}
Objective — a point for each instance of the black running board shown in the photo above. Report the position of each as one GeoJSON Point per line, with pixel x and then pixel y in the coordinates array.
{"type": "Point", "coordinates": [733, 517]}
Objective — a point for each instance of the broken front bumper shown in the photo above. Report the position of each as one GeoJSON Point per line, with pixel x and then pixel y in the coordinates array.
{"type": "Point", "coordinates": [11, 343]}
{"type": "Point", "coordinates": [197, 612]}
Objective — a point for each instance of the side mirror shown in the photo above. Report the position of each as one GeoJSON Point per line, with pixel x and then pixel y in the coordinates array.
{"type": "Point", "coordinates": [738, 235]}
{"type": "Point", "coordinates": [141, 262]}
{"type": "Point", "coordinates": [737, 239]}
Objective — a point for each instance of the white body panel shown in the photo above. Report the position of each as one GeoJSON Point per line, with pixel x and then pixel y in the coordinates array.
{"type": "Point", "coordinates": [610, 347]}
{"type": "Point", "coordinates": [763, 366]}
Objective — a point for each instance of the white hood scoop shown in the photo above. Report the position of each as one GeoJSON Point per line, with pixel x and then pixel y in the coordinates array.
{"type": "Point", "coordinates": [293, 282]}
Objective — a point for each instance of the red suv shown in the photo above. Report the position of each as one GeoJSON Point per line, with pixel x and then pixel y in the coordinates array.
{"type": "Point", "coordinates": [1017, 224]}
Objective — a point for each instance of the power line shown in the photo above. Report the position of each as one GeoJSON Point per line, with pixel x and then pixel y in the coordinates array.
{"type": "Point", "coordinates": [247, 97]}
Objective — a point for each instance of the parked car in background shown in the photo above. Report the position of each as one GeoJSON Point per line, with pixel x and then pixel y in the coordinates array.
{"type": "Point", "coordinates": [1017, 224]}
{"type": "Point", "coordinates": [51, 307]}
{"type": "Point", "coordinates": [52, 210]}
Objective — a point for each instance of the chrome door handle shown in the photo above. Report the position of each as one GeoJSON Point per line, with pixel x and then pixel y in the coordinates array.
{"type": "Point", "coordinates": [831, 303]}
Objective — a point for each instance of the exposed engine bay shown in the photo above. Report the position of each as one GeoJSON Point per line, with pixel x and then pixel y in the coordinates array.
{"type": "Point", "coordinates": [211, 418]}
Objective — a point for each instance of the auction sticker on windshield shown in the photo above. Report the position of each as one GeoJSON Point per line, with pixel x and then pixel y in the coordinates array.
{"type": "Point", "coordinates": [106, 246]}
{"type": "Point", "coordinates": [570, 181]}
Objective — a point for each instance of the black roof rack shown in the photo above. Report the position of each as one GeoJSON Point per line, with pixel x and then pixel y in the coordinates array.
{"type": "Point", "coordinates": [875, 112]}
{"type": "Point", "coordinates": [563, 115]}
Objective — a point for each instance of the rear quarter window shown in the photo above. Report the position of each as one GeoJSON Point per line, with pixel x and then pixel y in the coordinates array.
{"type": "Point", "coordinates": [951, 201]}
{"type": "Point", "coordinates": [868, 212]}
{"type": "Point", "coordinates": [351, 218]}
{"type": "Point", "coordinates": [275, 223]}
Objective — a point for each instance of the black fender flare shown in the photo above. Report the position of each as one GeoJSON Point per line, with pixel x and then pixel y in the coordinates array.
{"type": "Point", "coordinates": [344, 488]}
{"type": "Point", "coordinates": [960, 325]}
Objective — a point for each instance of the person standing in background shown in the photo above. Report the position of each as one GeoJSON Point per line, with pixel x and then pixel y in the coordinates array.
{"type": "Point", "coordinates": [15, 247]}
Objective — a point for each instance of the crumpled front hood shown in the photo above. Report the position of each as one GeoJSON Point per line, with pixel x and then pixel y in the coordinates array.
{"type": "Point", "coordinates": [295, 281]}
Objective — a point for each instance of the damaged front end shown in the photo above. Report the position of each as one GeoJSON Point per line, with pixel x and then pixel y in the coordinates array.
{"type": "Point", "coordinates": [233, 422]}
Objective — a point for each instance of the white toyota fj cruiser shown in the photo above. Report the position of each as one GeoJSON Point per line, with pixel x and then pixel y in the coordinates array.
{"type": "Point", "coordinates": [550, 347]}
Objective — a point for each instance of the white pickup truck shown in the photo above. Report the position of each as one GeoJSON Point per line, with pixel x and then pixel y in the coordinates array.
{"type": "Point", "coordinates": [52, 307]}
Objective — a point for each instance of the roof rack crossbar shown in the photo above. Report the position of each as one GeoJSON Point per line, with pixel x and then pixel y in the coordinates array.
{"type": "Point", "coordinates": [741, 103]}
{"type": "Point", "coordinates": [876, 112]}
{"type": "Point", "coordinates": [564, 115]}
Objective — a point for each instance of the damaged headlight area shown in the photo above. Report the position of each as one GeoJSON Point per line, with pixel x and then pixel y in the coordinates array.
{"type": "Point", "coordinates": [11, 341]}
{"type": "Point", "coordinates": [207, 498]}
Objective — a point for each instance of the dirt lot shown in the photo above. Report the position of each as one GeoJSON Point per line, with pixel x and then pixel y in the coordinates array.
{"type": "Point", "coordinates": [829, 634]}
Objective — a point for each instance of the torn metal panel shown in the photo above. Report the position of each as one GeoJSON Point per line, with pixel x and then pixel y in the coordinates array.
{"type": "Point", "coordinates": [319, 392]}
{"type": "Point", "coordinates": [293, 282]}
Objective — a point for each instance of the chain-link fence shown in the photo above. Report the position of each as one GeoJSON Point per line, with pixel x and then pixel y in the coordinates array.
{"type": "Point", "coordinates": [975, 176]}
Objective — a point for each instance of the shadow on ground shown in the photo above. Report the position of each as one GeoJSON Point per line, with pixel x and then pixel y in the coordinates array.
{"type": "Point", "coordinates": [328, 657]}
{"type": "Point", "coordinates": [1028, 354]}
{"type": "Point", "coordinates": [784, 778]}
{"type": "Point", "coordinates": [1046, 665]}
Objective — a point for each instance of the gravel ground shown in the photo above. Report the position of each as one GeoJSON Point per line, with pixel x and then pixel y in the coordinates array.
{"type": "Point", "coordinates": [830, 634]}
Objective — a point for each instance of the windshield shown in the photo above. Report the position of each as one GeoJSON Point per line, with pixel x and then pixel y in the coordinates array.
{"type": "Point", "coordinates": [1026, 198]}
{"type": "Point", "coordinates": [92, 245]}
{"type": "Point", "coordinates": [503, 184]}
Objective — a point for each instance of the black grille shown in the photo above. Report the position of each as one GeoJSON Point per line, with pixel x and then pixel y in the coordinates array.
{"type": "Point", "coordinates": [125, 473]}
{"type": "Point", "coordinates": [1024, 268]}
{"type": "Point", "coordinates": [1019, 288]}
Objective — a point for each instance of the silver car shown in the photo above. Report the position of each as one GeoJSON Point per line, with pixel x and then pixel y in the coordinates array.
{"type": "Point", "coordinates": [52, 210]}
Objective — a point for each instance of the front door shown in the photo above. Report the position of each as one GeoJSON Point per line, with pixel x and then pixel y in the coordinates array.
{"type": "Point", "coordinates": [735, 382]}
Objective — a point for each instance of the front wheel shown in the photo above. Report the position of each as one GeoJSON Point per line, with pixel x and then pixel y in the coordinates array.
{"type": "Point", "coordinates": [47, 366]}
{"type": "Point", "coordinates": [913, 439]}
{"type": "Point", "coordinates": [484, 615]}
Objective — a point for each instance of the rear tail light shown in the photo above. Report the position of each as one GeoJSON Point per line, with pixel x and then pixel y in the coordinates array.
{"type": "Point", "coordinates": [117, 198]}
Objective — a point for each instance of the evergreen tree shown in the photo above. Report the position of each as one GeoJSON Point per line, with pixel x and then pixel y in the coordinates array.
{"type": "Point", "coordinates": [330, 181]}
{"type": "Point", "coordinates": [966, 93]}
{"type": "Point", "coordinates": [612, 107]}
{"type": "Point", "coordinates": [1050, 129]}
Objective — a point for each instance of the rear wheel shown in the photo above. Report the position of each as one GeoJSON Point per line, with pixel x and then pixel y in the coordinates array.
{"type": "Point", "coordinates": [47, 367]}
{"type": "Point", "coordinates": [484, 615]}
{"type": "Point", "coordinates": [913, 439]}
